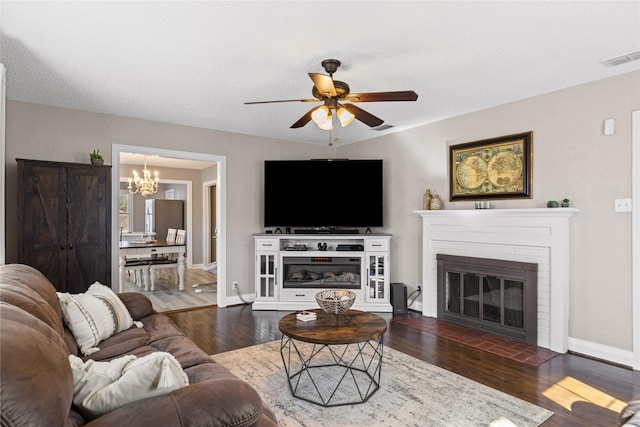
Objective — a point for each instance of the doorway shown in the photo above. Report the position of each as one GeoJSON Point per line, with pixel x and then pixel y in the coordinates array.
{"type": "Point", "coordinates": [220, 212]}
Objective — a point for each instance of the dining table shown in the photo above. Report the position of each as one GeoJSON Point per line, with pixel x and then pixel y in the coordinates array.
{"type": "Point", "coordinates": [150, 254]}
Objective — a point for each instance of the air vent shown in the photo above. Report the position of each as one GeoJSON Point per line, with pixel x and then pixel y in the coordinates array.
{"type": "Point", "coordinates": [622, 59]}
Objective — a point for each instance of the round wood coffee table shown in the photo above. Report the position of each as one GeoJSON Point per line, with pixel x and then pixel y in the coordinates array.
{"type": "Point", "coordinates": [333, 360]}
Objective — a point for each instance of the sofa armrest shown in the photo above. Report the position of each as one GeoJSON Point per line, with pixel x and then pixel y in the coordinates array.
{"type": "Point", "coordinates": [139, 305]}
{"type": "Point", "coordinates": [217, 402]}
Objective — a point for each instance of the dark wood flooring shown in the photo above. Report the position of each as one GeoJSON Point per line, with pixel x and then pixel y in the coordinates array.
{"type": "Point", "coordinates": [581, 391]}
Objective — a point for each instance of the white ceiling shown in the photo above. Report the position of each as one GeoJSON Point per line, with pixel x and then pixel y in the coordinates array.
{"type": "Point", "coordinates": [195, 63]}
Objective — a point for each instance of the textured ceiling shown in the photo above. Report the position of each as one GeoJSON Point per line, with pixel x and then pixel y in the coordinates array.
{"type": "Point", "coordinates": [195, 63]}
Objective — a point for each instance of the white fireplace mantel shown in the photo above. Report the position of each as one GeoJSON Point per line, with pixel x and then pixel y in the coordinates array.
{"type": "Point", "coordinates": [529, 235]}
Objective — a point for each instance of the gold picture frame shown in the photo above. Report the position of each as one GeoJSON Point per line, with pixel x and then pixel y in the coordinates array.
{"type": "Point", "coordinates": [496, 168]}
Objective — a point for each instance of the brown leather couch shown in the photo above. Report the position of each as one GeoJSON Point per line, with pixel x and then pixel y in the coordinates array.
{"type": "Point", "coordinates": [36, 379]}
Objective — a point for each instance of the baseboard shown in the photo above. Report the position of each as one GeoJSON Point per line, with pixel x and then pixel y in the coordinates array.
{"type": "Point", "coordinates": [235, 299]}
{"type": "Point", "coordinates": [600, 351]}
{"type": "Point", "coordinates": [417, 305]}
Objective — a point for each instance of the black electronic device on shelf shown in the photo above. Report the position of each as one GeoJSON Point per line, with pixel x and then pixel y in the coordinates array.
{"type": "Point", "coordinates": [354, 247]}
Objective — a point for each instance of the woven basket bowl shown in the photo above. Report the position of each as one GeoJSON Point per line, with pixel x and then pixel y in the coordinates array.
{"type": "Point", "coordinates": [335, 301]}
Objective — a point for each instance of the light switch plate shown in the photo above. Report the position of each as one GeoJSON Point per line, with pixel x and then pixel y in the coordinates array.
{"type": "Point", "coordinates": [609, 127]}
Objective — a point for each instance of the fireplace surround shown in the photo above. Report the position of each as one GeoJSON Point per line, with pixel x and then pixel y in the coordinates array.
{"type": "Point", "coordinates": [538, 235]}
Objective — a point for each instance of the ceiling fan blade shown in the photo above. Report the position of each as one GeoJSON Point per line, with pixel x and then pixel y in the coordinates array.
{"type": "Point", "coordinates": [402, 95]}
{"type": "Point", "coordinates": [281, 100]}
{"type": "Point", "coordinates": [304, 119]}
{"type": "Point", "coordinates": [364, 116]}
{"type": "Point", "coordinates": [324, 84]}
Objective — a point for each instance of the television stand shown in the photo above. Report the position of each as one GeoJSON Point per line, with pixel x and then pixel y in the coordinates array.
{"type": "Point", "coordinates": [327, 231]}
{"type": "Point", "coordinates": [288, 278]}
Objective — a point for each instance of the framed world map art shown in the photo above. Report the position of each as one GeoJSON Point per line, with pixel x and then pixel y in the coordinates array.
{"type": "Point", "coordinates": [496, 168]}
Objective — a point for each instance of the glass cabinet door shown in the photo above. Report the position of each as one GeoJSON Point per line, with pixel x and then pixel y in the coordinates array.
{"type": "Point", "coordinates": [377, 277]}
{"type": "Point", "coordinates": [267, 270]}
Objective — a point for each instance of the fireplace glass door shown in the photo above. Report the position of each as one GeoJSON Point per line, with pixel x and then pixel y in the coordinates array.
{"type": "Point", "coordinates": [485, 298]}
{"type": "Point", "coordinates": [321, 272]}
{"type": "Point", "coordinates": [496, 295]}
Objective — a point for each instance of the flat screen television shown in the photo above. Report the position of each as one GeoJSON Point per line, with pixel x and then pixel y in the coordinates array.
{"type": "Point", "coordinates": [318, 194]}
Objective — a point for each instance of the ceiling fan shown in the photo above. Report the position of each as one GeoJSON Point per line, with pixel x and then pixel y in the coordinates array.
{"type": "Point", "coordinates": [332, 93]}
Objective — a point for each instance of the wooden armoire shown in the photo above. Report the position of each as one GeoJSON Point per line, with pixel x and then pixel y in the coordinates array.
{"type": "Point", "coordinates": [64, 222]}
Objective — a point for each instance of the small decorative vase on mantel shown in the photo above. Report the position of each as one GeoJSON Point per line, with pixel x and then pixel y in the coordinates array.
{"type": "Point", "coordinates": [426, 200]}
{"type": "Point", "coordinates": [436, 203]}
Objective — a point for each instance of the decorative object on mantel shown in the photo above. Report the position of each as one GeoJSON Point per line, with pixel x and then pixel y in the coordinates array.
{"type": "Point", "coordinates": [144, 185]}
{"type": "Point", "coordinates": [96, 157]}
{"type": "Point", "coordinates": [426, 200]}
{"type": "Point", "coordinates": [498, 168]}
{"type": "Point", "coordinates": [552, 204]}
{"type": "Point", "coordinates": [485, 204]}
{"type": "Point", "coordinates": [436, 203]}
{"type": "Point", "coordinates": [566, 203]}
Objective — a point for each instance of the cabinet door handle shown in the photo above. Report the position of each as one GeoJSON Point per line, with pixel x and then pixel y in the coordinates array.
{"type": "Point", "coordinates": [62, 246]}
{"type": "Point", "coordinates": [301, 295]}
{"type": "Point", "coordinates": [70, 246]}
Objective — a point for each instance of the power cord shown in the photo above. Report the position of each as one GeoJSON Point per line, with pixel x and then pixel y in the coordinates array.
{"type": "Point", "coordinates": [417, 292]}
{"type": "Point", "coordinates": [241, 297]}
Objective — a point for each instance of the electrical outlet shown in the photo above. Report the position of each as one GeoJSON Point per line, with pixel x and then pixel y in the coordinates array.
{"type": "Point", "coordinates": [622, 205]}
{"type": "Point", "coordinates": [235, 284]}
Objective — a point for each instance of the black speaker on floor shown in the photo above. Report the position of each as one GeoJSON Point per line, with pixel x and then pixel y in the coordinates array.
{"type": "Point", "coordinates": [399, 297]}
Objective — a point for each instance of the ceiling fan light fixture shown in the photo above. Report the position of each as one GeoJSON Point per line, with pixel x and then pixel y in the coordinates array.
{"type": "Point", "coordinates": [328, 123]}
{"type": "Point", "coordinates": [345, 116]}
{"type": "Point", "coordinates": [321, 115]}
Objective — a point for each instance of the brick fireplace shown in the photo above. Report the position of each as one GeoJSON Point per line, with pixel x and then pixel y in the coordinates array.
{"type": "Point", "coordinates": [538, 236]}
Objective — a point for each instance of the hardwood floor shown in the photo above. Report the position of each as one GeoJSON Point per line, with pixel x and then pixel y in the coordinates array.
{"type": "Point", "coordinates": [581, 391]}
{"type": "Point", "coordinates": [166, 295]}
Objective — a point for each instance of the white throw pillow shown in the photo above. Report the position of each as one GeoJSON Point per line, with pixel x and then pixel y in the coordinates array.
{"type": "Point", "coordinates": [94, 316]}
{"type": "Point", "coordinates": [101, 387]}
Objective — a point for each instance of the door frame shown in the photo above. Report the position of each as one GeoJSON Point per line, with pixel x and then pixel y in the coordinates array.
{"type": "Point", "coordinates": [635, 235]}
{"type": "Point", "coordinates": [221, 214]}
{"type": "Point", "coordinates": [206, 213]}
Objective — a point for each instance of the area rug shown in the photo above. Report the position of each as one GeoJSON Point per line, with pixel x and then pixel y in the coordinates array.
{"type": "Point", "coordinates": [412, 393]}
{"type": "Point", "coordinates": [492, 343]}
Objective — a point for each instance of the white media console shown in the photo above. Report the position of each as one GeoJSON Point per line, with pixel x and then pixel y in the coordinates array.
{"type": "Point", "coordinates": [292, 268]}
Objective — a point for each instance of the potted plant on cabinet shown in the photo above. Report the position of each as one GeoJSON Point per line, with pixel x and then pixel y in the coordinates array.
{"type": "Point", "coordinates": [96, 157]}
{"type": "Point", "coordinates": [566, 203]}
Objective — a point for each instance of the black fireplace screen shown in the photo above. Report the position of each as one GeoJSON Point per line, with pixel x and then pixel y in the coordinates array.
{"type": "Point", "coordinates": [496, 295]}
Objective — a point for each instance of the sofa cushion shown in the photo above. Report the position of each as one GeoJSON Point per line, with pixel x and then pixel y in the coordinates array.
{"type": "Point", "coordinates": [101, 387]}
{"type": "Point", "coordinates": [94, 316]}
{"type": "Point", "coordinates": [37, 386]}
{"type": "Point", "coordinates": [25, 276]}
{"type": "Point", "coordinates": [31, 302]}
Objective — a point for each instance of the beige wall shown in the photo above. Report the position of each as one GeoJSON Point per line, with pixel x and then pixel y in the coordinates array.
{"type": "Point", "coordinates": [50, 133]}
{"type": "Point", "coordinates": [571, 158]}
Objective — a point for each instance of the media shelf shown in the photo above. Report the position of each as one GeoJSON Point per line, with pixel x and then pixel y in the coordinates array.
{"type": "Point", "coordinates": [292, 268]}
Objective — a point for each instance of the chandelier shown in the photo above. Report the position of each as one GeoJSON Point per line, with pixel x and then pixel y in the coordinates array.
{"type": "Point", "coordinates": [144, 185]}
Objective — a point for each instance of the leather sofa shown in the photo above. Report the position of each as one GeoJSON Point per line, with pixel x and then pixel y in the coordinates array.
{"type": "Point", "coordinates": [36, 379]}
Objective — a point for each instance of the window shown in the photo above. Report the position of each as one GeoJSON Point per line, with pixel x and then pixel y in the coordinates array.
{"type": "Point", "coordinates": [125, 210]}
